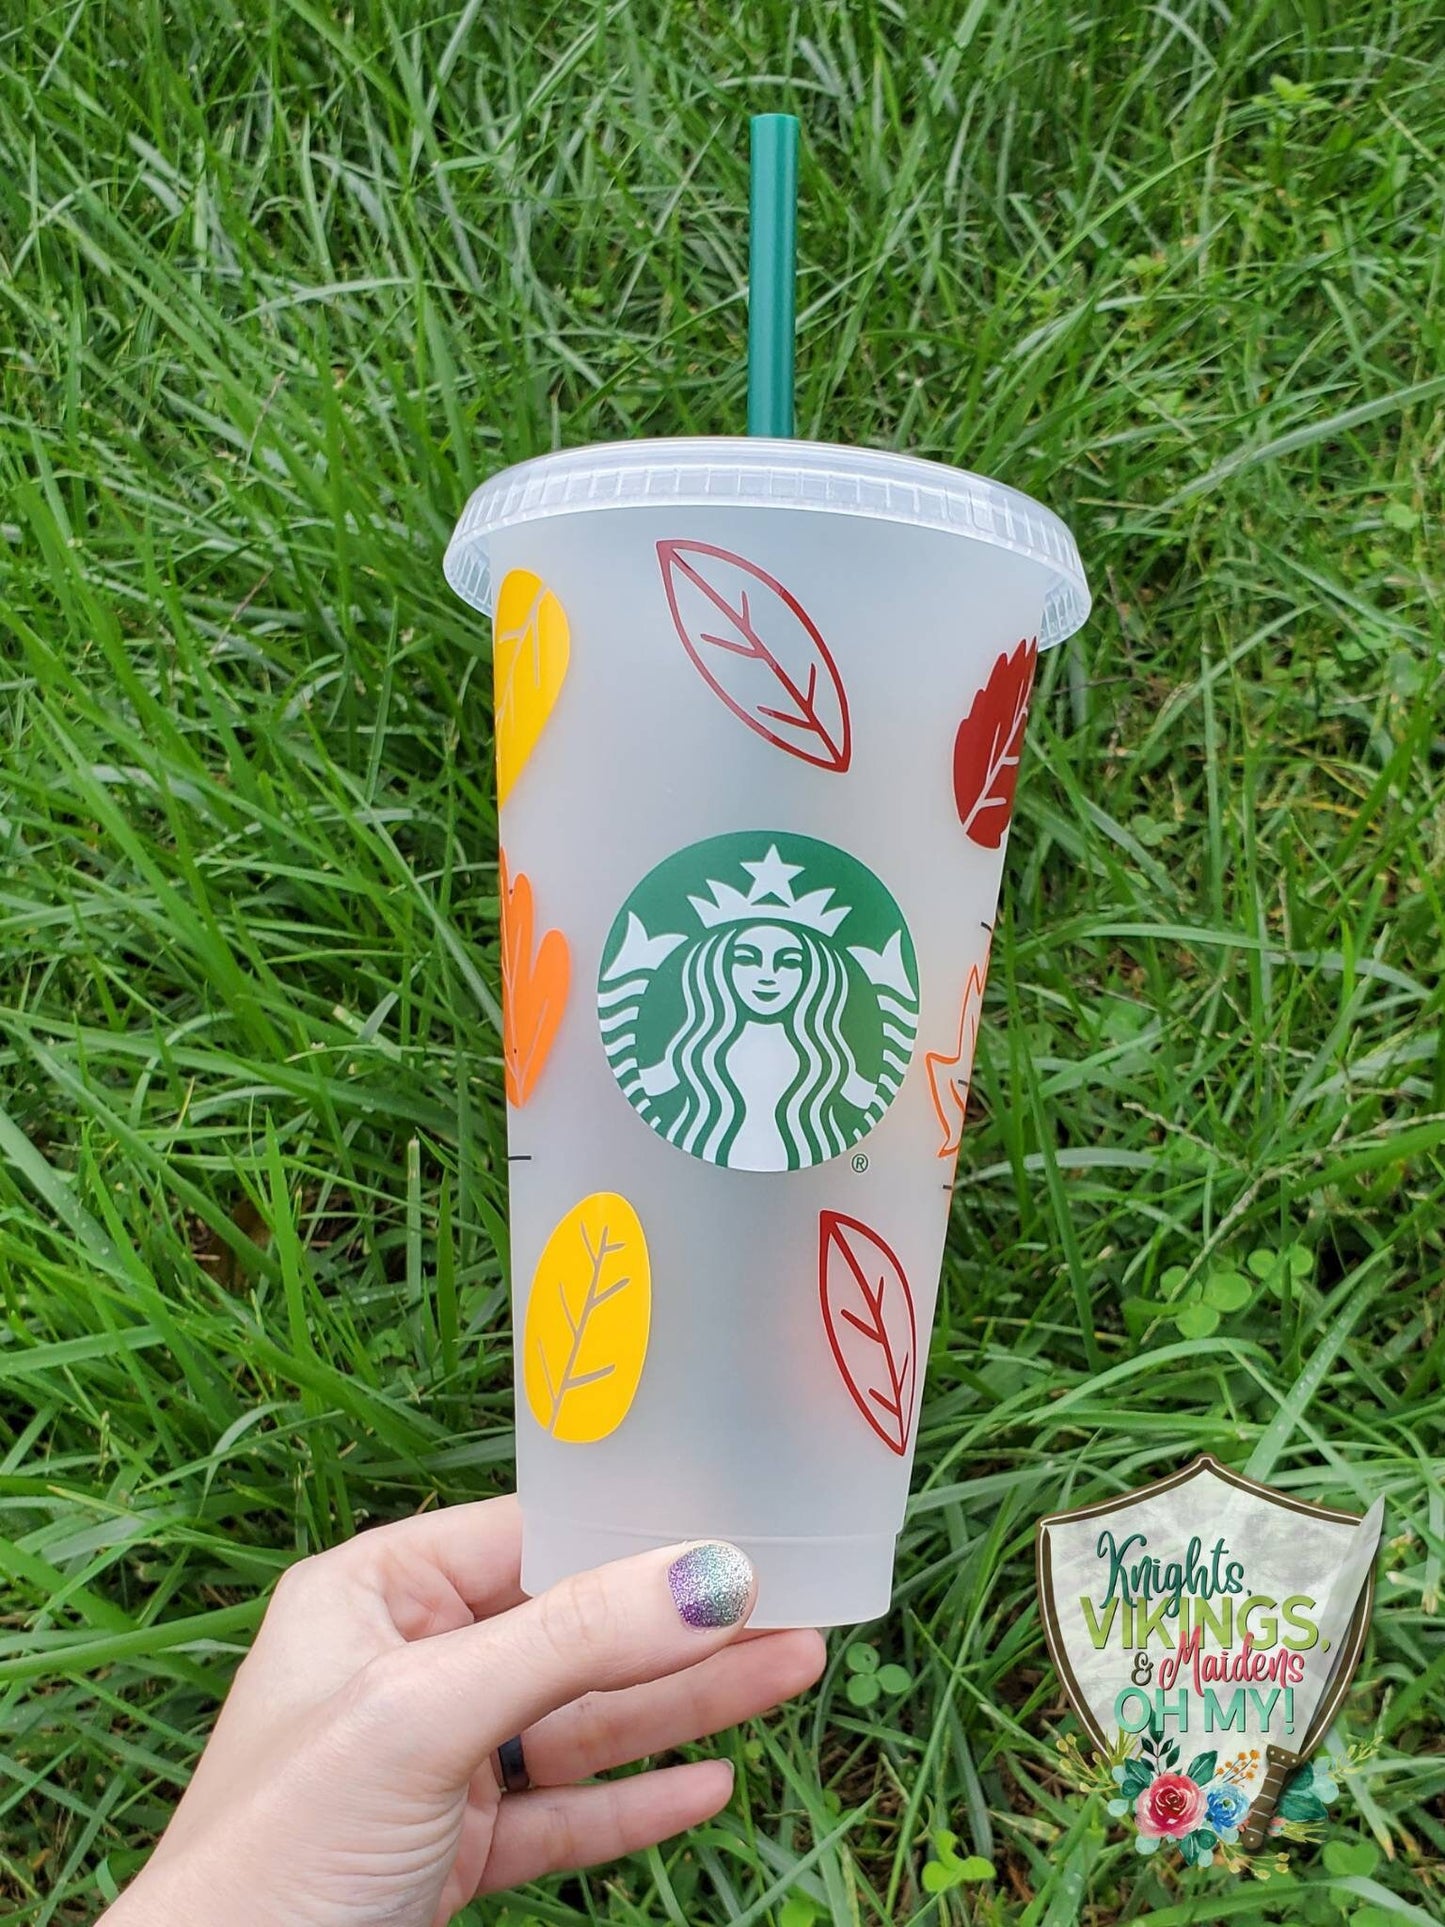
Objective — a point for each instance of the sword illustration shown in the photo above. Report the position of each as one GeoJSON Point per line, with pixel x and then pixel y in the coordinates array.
{"type": "Point", "coordinates": [1318, 1709]}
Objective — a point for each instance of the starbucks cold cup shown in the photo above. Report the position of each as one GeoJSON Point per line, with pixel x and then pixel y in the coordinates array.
{"type": "Point", "coordinates": [759, 710]}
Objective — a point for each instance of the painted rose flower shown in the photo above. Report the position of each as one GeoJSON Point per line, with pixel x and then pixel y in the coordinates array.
{"type": "Point", "coordinates": [1225, 1807]}
{"type": "Point", "coordinates": [1169, 1807]}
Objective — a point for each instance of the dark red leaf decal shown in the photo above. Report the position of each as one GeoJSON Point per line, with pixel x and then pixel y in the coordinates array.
{"type": "Point", "coordinates": [988, 745]}
{"type": "Point", "coordinates": [868, 1310]}
{"type": "Point", "coordinates": [759, 649]}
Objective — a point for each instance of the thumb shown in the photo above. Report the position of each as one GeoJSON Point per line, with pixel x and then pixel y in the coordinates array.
{"type": "Point", "coordinates": [451, 1700]}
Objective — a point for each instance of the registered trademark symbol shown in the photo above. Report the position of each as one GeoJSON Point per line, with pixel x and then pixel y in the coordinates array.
{"type": "Point", "coordinates": [860, 1162]}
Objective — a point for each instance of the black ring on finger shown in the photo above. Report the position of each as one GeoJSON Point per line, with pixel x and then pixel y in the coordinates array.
{"type": "Point", "coordinates": [512, 1766]}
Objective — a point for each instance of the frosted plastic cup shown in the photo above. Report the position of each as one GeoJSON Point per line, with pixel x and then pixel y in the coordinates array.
{"type": "Point", "coordinates": [759, 712]}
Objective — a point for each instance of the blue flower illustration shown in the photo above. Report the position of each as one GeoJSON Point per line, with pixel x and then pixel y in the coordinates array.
{"type": "Point", "coordinates": [1225, 1807]}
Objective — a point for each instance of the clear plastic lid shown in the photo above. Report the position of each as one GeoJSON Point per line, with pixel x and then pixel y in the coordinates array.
{"type": "Point", "coordinates": [716, 471]}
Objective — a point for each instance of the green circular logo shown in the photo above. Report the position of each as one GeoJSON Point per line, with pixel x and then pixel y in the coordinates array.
{"type": "Point", "coordinates": [758, 1000]}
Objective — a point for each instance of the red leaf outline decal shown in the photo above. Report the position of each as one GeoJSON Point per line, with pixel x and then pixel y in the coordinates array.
{"type": "Point", "coordinates": [871, 1325]}
{"type": "Point", "coordinates": [948, 1077]}
{"type": "Point", "coordinates": [987, 747]}
{"type": "Point", "coordinates": [790, 693]}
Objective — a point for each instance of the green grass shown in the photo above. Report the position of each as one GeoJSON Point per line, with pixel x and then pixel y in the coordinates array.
{"type": "Point", "coordinates": [279, 286]}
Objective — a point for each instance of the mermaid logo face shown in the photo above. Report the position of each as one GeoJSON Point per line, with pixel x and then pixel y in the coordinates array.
{"type": "Point", "coordinates": [766, 968]}
{"type": "Point", "coordinates": [758, 1001]}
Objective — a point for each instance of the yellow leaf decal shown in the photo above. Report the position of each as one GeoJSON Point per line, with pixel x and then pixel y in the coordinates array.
{"type": "Point", "coordinates": [530, 648]}
{"type": "Point", "coordinates": [588, 1315]}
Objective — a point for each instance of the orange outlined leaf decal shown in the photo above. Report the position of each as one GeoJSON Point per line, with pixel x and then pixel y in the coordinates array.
{"type": "Point", "coordinates": [534, 988]}
{"type": "Point", "coordinates": [589, 1312]}
{"type": "Point", "coordinates": [530, 650]}
{"type": "Point", "coordinates": [757, 648]}
{"type": "Point", "coordinates": [948, 1076]}
{"type": "Point", "coordinates": [989, 743]}
{"type": "Point", "coordinates": [868, 1313]}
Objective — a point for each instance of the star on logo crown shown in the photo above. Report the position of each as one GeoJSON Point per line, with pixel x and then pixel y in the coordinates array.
{"type": "Point", "coordinates": [769, 900]}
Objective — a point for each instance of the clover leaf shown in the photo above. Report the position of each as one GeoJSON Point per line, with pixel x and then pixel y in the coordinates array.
{"type": "Point", "coordinates": [868, 1678]}
{"type": "Point", "coordinates": [1274, 1268]}
{"type": "Point", "coordinates": [1196, 1319]}
{"type": "Point", "coordinates": [947, 1869]}
{"type": "Point", "coordinates": [1227, 1290]}
{"type": "Point", "coordinates": [1342, 1858]}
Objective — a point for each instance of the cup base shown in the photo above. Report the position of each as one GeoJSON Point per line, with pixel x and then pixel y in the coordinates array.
{"type": "Point", "coordinates": [801, 1582]}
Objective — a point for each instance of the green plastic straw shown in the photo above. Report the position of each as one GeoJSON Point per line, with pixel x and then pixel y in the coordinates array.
{"type": "Point", "coordinates": [772, 256]}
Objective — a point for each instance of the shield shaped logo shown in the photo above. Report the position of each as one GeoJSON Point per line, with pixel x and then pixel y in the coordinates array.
{"type": "Point", "coordinates": [1205, 1628]}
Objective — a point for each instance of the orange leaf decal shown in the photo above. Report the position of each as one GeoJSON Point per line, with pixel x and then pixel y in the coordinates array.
{"type": "Point", "coordinates": [948, 1076]}
{"type": "Point", "coordinates": [868, 1312]}
{"type": "Point", "coordinates": [757, 647]}
{"type": "Point", "coordinates": [534, 988]}
{"type": "Point", "coordinates": [989, 743]}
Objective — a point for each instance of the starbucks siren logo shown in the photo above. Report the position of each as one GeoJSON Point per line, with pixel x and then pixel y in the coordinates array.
{"type": "Point", "coordinates": [759, 1000]}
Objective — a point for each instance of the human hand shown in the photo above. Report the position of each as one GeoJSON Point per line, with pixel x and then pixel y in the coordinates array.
{"type": "Point", "coordinates": [349, 1780]}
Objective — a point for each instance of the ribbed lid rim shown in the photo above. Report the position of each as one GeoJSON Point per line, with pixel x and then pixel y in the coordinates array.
{"type": "Point", "coordinates": [705, 472]}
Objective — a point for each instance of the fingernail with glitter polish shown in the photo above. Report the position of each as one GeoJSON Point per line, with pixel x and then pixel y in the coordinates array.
{"type": "Point", "coordinates": [712, 1584]}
